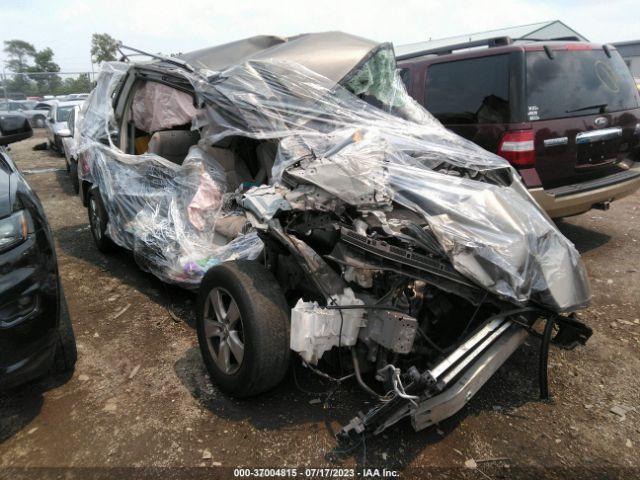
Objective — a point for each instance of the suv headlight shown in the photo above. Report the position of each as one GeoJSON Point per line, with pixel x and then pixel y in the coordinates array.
{"type": "Point", "coordinates": [14, 229]}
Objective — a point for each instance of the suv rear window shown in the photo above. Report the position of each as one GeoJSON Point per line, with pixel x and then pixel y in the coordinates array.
{"type": "Point", "coordinates": [469, 91]}
{"type": "Point", "coordinates": [577, 82]}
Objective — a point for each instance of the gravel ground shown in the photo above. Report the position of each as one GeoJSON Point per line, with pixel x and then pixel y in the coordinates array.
{"type": "Point", "coordinates": [140, 398]}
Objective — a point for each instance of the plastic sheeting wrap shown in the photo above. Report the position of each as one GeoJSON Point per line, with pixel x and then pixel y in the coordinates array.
{"type": "Point", "coordinates": [328, 138]}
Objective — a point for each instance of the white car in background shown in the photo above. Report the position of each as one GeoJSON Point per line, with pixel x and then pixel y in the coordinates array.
{"type": "Point", "coordinates": [36, 112]}
{"type": "Point", "coordinates": [68, 146]}
{"type": "Point", "coordinates": [56, 125]}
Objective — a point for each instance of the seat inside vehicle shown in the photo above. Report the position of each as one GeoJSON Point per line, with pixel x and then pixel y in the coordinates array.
{"type": "Point", "coordinates": [173, 144]}
{"type": "Point", "coordinates": [158, 120]}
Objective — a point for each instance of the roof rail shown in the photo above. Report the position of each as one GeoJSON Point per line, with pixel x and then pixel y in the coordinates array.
{"type": "Point", "coordinates": [163, 58]}
{"type": "Point", "coordinates": [443, 50]}
{"type": "Point", "coordinates": [485, 42]}
{"type": "Point", "coordinates": [571, 38]}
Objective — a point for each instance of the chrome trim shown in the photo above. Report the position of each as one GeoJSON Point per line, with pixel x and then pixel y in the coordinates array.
{"type": "Point", "coordinates": [598, 135]}
{"type": "Point", "coordinates": [556, 142]}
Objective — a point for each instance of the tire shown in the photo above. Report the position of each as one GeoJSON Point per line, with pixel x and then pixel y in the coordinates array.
{"type": "Point", "coordinates": [38, 122]}
{"type": "Point", "coordinates": [66, 353]}
{"type": "Point", "coordinates": [262, 328]}
{"type": "Point", "coordinates": [58, 146]}
{"type": "Point", "coordinates": [73, 175]}
{"type": "Point", "coordinates": [98, 219]}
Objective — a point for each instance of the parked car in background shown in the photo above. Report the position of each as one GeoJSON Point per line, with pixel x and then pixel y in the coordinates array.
{"type": "Point", "coordinates": [29, 104]}
{"type": "Point", "coordinates": [566, 114]}
{"type": "Point", "coordinates": [37, 115]}
{"type": "Point", "coordinates": [56, 125]}
{"type": "Point", "coordinates": [77, 96]}
{"type": "Point", "coordinates": [36, 112]}
{"type": "Point", "coordinates": [36, 335]}
{"type": "Point", "coordinates": [68, 144]}
{"type": "Point", "coordinates": [9, 106]}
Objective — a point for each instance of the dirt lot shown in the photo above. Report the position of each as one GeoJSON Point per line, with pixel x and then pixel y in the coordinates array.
{"type": "Point", "coordinates": [140, 396]}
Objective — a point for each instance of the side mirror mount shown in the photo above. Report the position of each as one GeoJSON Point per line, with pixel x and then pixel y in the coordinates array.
{"type": "Point", "coordinates": [13, 128]}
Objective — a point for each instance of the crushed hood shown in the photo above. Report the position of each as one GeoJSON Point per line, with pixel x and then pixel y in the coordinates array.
{"type": "Point", "coordinates": [331, 54]}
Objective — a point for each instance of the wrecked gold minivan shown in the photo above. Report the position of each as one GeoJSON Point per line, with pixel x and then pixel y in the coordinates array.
{"type": "Point", "coordinates": [318, 209]}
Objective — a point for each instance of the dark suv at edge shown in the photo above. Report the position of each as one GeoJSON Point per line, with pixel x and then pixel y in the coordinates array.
{"type": "Point", "coordinates": [36, 336]}
{"type": "Point", "coordinates": [566, 114]}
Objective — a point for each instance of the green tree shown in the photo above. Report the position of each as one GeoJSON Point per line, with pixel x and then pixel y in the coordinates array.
{"type": "Point", "coordinates": [43, 62]}
{"type": "Point", "coordinates": [19, 53]}
{"type": "Point", "coordinates": [103, 47]}
{"type": "Point", "coordinates": [81, 84]}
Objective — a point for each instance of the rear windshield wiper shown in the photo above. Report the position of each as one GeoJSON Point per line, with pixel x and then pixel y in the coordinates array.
{"type": "Point", "coordinates": [600, 106]}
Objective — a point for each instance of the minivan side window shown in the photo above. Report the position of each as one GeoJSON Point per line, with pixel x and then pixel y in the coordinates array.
{"type": "Point", "coordinates": [469, 91]}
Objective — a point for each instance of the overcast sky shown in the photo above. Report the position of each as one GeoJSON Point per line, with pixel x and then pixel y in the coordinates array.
{"type": "Point", "coordinates": [171, 26]}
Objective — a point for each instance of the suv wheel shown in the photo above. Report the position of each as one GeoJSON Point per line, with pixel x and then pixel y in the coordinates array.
{"type": "Point", "coordinates": [98, 219]}
{"type": "Point", "coordinates": [243, 328]}
{"type": "Point", "coordinates": [66, 353]}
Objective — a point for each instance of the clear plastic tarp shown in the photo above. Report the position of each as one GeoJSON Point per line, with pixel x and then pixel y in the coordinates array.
{"type": "Point", "coordinates": [363, 143]}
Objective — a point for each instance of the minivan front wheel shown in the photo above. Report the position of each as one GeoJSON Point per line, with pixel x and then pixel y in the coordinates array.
{"type": "Point", "coordinates": [243, 328]}
{"type": "Point", "coordinates": [98, 222]}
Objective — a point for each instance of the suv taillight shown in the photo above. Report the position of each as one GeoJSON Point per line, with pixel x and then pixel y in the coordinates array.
{"type": "Point", "coordinates": [517, 147]}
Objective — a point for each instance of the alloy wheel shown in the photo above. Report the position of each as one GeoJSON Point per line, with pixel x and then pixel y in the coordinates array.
{"type": "Point", "coordinates": [223, 330]}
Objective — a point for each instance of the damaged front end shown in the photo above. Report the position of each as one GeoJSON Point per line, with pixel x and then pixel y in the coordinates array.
{"type": "Point", "coordinates": [390, 297]}
{"type": "Point", "coordinates": [382, 242]}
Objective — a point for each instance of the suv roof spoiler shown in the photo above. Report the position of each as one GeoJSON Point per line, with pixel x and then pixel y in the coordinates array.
{"type": "Point", "coordinates": [485, 42]}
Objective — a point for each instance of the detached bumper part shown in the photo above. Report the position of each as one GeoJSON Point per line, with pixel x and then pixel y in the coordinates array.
{"type": "Point", "coordinates": [451, 400]}
{"type": "Point", "coordinates": [449, 386]}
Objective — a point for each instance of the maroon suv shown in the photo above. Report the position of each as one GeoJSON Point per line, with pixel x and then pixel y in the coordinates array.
{"type": "Point", "coordinates": [566, 114]}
